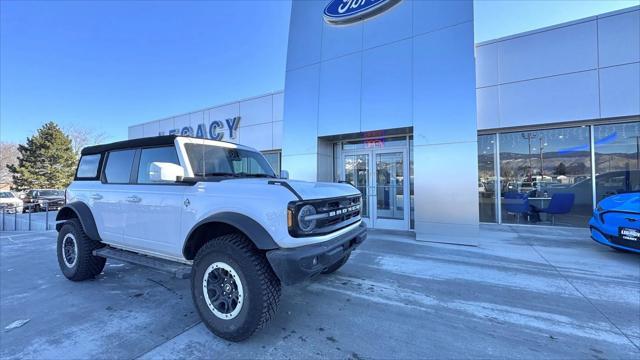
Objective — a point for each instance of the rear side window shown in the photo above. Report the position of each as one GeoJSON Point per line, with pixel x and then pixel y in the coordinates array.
{"type": "Point", "coordinates": [118, 168]}
{"type": "Point", "coordinates": [165, 154]}
{"type": "Point", "coordinates": [88, 167]}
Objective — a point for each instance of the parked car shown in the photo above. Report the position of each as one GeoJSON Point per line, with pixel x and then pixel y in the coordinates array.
{"type": "Point", "coordinates": [37, 200]}
{"type": "Point", "coordinates": [616, 222]}
{"type": "Point", "coordinates": [217, 209]}
{"type": "Point", "coordinates": [9, 202]}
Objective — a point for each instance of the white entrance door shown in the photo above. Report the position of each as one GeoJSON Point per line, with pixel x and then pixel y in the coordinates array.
{"type": "Point", "coordinates": [382, 177]}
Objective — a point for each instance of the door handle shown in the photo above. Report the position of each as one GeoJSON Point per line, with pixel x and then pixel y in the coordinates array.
{"type": "Point", "coordinates": [134, 199]}
{"type": "Point", "coordinates": [96, 196]}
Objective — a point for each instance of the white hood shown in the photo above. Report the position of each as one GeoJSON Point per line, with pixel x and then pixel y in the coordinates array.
{"type": "Point", "coordinates": [310, 190]}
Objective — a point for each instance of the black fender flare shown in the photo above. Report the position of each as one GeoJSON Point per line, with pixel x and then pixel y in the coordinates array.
{"type": "Point", "coordinates": [81, 211]}
{"type": "Point", "coordinates": [257, 234]}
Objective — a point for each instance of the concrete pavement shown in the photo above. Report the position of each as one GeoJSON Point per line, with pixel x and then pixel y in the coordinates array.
{"type": "Point", "coordinates": [524, 293]}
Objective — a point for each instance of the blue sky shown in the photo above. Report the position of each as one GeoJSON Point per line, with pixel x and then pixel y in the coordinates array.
{"type": "Point", "coordinates": [107, 65]}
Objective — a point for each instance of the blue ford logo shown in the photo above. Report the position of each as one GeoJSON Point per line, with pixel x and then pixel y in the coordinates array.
{"type": "Point", "coordinates": [343, 12]}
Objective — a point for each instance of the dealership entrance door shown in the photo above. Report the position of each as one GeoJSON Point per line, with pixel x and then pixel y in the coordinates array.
{"type": "Point", "coordinates": [381, 174]}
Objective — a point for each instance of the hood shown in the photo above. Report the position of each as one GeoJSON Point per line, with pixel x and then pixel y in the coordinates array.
{"type": "Point", "coordinates": [622, 202]}
{"type": "Point", "coordinates": [10, 201]}
{"type": "Point", "coordinates": [309, 190]}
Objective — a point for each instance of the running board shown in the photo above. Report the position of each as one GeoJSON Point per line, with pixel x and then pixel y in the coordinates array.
{"type": "Point", "coordinates": [179, 270]}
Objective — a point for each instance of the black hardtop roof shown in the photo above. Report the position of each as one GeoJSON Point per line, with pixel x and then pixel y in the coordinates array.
{"type": "Point", "coordinates": [127, 144]}
{"type": "Point", "coordinates": [135, 143]}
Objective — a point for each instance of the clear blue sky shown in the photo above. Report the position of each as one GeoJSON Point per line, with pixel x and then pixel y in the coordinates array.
{"type": "Point", "coordinates": [107, 65]}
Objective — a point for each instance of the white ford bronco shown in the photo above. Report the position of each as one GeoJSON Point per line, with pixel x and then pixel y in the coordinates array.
{"type": "Point", "coordinates": [211, 210]}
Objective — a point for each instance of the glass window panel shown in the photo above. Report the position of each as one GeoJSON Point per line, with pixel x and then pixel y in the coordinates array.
{"type": "Point", "coordinates": [356, 172]}
{"type": "Point", "coordinates": [166, 154]}
{"type": "Point", "coordinates": [118, 168]}
{"type": "Point", "coordinates": [546, 177]}
{"type": "Point", "coordinates": [273, 157]}
{"type": "Point", "coordinates": [411, 191]}
{"type": "Point", "coordinates": [617, 157]}
{"type": "Point", "coordinates": [390, 185]}
{"type": "Point", "coordinates": [88, 167]}
{"type": "Point", "coordinates": [487, 177]}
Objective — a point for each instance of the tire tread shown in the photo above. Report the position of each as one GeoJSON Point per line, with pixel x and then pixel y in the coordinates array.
{"type": "Point", "coordinates": [88, 265]}
{"type": "Point", "coordinates": [270, 288]}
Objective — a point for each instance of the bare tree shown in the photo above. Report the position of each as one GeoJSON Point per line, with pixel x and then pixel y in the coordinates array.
{"type": "Point", "coordinates": [8, 156]}
{"type": "Point", "coordinates": [82, 137]}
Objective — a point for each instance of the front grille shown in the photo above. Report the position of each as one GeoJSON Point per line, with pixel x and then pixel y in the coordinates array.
{"type": "Point", "coordinates": [333, 214]}
{"type": "Point", "coordinates": [628, 243]}
{"type": "Point", "coordinates": [339, 210]}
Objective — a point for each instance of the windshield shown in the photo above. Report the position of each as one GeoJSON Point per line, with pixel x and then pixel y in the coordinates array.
{"type": "Point", "coordinates": [51, 193]}
{"type": "Point", "coordinates": [6, 195]}
{"type": "Point", "coordinates": [211, 160]}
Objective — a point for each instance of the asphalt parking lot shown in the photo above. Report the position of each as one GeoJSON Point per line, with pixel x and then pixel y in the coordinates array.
{"type": "Point", "coordinates": [555, 294]}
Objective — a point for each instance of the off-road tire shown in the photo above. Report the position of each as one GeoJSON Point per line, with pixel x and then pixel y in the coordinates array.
{"type": "Point", "coordinates": [333, 268]}
{"type": "Point", "coordinates": [260, 286]}
{"type": "Point", "coordinates": [86, 265]}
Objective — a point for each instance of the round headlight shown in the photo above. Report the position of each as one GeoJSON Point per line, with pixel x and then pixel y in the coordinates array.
{"type": "Point", "coordinates": [306, 225]}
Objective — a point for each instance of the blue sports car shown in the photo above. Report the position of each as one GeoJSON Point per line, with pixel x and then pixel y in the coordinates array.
{"type": "Point", "coordinates": [616, 222]}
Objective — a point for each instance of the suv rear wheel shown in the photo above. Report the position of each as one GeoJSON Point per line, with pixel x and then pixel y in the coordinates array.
{"type": "Point", "coordinates": [75, 253]}
{"type": "Point", "coordinates": [234, 288]}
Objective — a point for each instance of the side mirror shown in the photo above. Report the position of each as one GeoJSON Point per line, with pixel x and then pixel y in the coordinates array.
{"type": "Point", "coordinates": [22, 196]}
{"type": "Point", "coordinates": [284, 174]}
{"type": "Point", "coordinates": [164, 172]}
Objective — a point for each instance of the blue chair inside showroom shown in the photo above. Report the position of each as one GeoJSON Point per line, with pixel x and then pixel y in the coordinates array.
{"type": "Point", "coordinates": [561, 203]}
{"type": "Point", "coordinates": [516, 203]}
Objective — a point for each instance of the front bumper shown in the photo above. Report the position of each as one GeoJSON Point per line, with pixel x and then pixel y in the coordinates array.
{"type": "Point", "coordinates": [297, 264]}
{"type": "Point", "coordinates": [604, 236]}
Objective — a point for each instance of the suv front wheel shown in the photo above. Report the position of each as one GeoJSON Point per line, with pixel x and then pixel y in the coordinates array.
{"type": "Point", "coordinates": [233, 286]}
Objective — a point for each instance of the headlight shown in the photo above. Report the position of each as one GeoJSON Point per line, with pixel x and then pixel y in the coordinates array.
{"type": "Point", "coordinates": [305, 224]}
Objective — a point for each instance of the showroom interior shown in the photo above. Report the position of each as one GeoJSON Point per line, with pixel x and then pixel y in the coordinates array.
{"type": "Point", "coordinates": [437, 131]}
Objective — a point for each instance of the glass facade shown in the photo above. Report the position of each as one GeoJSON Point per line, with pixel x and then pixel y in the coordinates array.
{"type": "Point", "coordinates": [546, 174]}
{"type": "Point", "coordinates": [382, 169]}
{"type": "Point", "coordinates": [487, 177]}
{"type": "Point", "coordinates": [617, 158]}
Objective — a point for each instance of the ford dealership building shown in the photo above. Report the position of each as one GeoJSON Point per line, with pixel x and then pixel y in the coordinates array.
{"type": "Point", "coordinates": [438, 133]}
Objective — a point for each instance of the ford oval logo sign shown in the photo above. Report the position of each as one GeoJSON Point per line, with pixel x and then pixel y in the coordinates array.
{"type": "Point", "coordinates": [343, 12]}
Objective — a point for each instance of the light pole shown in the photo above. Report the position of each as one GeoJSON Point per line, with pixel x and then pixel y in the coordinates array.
{"type": "Point", "coordinates": [528, 136]}
{"type": "Point", "coordinates": [541, 158]}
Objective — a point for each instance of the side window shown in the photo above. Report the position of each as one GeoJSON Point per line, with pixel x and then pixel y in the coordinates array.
{"type": "Point", "coordinates": [88, 167]}
{"type": "Point", "coordinates": [273, 157]}
{"type": "Point", "coordinates": [118, 168]}
{"type": "Point", "coordinates": [165, 154]}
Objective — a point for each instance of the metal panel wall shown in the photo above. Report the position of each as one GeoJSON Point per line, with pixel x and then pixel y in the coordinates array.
{"type": "Point", "coordinates": [340, 86]}
{"type": "Point", "coordinates": [387, 86]}
{"type": "Point", "coordinates": [619, 38]}
{"type": "Point", "coordinates": [260, 122]}
{"type": "Point", "coordinates": [412, 66]}
{"type": "Point", "coordinates": [620, 90]}
{"type": "Point", "coordinates": [585, 69]}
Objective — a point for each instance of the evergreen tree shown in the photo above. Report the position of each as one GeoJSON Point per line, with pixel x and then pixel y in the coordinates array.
{"type": "Point", "coordinates": [47, 160]}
